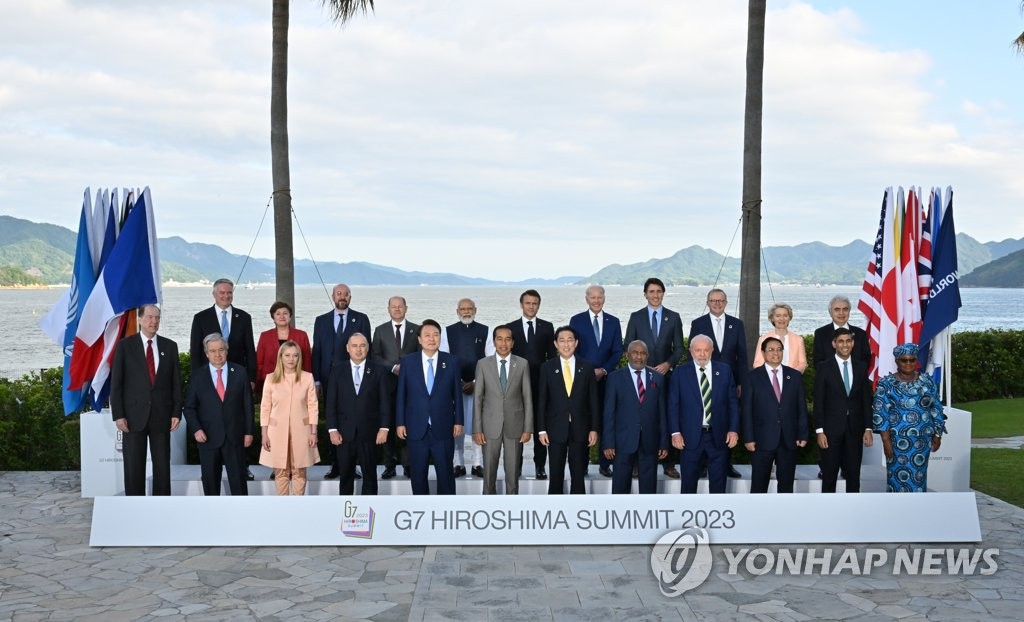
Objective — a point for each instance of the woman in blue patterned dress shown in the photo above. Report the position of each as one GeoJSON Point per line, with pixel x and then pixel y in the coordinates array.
{"type": "Point", "coordinates": [908, 415]}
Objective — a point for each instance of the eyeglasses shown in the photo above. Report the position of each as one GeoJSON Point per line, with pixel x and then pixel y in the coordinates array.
{"type": "Point", "coordinates": [715, 301]}
{"type": "Point", "coordinates": [907, 359]}
{"type": "Point", "coordinates": [773, 349]}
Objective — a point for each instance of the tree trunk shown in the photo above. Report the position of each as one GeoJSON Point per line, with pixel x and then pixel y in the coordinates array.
{"type": "Point", "coordinates": [283, 256]}
{"type": "Point", "coordinates": [750, 264]}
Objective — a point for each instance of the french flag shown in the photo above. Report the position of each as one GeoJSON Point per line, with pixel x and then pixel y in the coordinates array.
{"type": "Point", "coordinates": [130, 278]}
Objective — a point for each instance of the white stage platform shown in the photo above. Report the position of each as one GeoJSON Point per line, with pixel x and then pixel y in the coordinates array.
{"type": "Point", "coordinates": [185, 481]}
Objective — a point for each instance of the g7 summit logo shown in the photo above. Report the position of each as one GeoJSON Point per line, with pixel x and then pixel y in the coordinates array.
{"type": "Point", "coordinates": [681, 560]}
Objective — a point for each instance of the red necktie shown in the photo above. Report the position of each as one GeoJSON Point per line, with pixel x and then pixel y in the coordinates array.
{"type": "Point", "coordinates": [639, 386]}
{"type": "Point", "coordinates": [150, 362]}
{"type": "Point", "coordinates": [220, 383]}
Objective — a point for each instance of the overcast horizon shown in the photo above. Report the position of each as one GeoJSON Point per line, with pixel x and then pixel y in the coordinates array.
{"type": "Point", "coordinates": [506, 136]}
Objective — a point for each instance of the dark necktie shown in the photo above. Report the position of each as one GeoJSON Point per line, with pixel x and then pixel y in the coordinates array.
{"type": "Point", "coordinates": [776, 386]}
{"type": "Point", "coordinates": [529, 331]}
{"type": "Point", "coordinates": [398, 337]}
{"type": "Point", "coordinates": [639, 386]}
{"type": "Point", "coordinates": [503, 377]}
{"type": "Point", "coordinates": [705, 396]}
{"type": "Point", "coordinates": [151, 363]}
{"type": "Point", "coordinates": [654, 325]}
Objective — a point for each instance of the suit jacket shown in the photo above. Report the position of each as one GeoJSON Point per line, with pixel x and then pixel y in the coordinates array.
{"type": "Point", "coordinates": [365, 412]}
{"type": "Point", "coordinates": [823, 349]}
{"type": "Point", "coordinates": [329, 346]}
{"type": "Point", "coordinates": [287, 409]}
{"type": "Point", "coordinates": [685, 409]}
{"type": "Point", "coordinates": [794, 345]}
{"type": "Point", "coordinates": [567, 418]}
{"type": "Point", "coordinates": [241, 345]}
{"type": "Point", "coordinates": [605, 354]}
{"type": "Point", "coordinates": [223, 422]}
{"type": "Point", "coordinates": [266, 351]}
{"type": "Point", "coordinates": [541, 349]}
{"type": "Point", "coordinates": [625, 417]}
{"type": "Point", "coordinates": [384, 351]}
{"type": "Point", "coordinates": [766, 419]}
{"type": "Point", "coordinates": [499, 413]}
{"type": "Point", "coordinates": [132, 396]}
{"type": "Point", "coordinates": [732, 350]}
{"type": "Point", "coordinates": [834, 410]}
{"type": "Point", "coordinates": [442, 407]}
{"type": "Point", "coordinates": [668, 347]}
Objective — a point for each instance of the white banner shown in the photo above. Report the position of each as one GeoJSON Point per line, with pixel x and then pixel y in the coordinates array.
{"type": "Point", "coordinates": [531, 520]}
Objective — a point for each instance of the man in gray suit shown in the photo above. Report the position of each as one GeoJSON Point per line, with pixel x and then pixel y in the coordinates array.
{"type": "Point", "coordinates": [391, 341]}
{"type": "Point", "coordinates": [502, 411]}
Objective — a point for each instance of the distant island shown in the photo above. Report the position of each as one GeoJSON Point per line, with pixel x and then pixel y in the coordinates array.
{"type": "Point", "coordinates": [38, 254]}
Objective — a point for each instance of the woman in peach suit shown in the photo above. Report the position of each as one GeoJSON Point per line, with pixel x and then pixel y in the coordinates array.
{"type": "Point", "coordinates": [288, 417]}
{"type": "Point", "coordinates": [793, 352]}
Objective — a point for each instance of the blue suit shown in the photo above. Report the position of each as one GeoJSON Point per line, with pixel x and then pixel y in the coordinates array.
{"type": "Point", "coordinates": [775, 425]}
{"type": "Point", "coordinates": [732, 350]}
{"type": "Point", "coordinates": [686, 417]}
{"type": "Point", "coordinates": [430, 419]}
{"type": "Point", "coordinates": [635, 431]}
{"type": "Point", "coordinates": [605, 354]}
{"type": "Point", "coordinates": [329, 345]}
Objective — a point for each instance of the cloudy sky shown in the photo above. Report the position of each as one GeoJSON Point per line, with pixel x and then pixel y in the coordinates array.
{"type": "Point", "coordinates": [513, 139]}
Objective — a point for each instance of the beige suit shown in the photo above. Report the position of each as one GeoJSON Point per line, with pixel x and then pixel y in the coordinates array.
{"type": "Point", "coordinates": [503, 417]}
{"type": "Point", "coordinates": [287, 410]}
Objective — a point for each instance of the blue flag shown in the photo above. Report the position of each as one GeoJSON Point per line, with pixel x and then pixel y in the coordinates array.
{"type": "Point", "coordinates": [944, 296]}
{"type": "Point", "coordinates": [82, 281]}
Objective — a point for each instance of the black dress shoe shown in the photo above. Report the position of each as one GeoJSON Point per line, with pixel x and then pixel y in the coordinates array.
{"type": "Point", "coordinates": [249, 475]}
{"type": "Point", "coordinates": [606, 471]}
{"type": "Point", "coordinates": [541, 474]}
{"type": "Point", "coordinates": [332, 474]}
{"type": "Point", "coordinates": [733, 473]}
{"type": "Point", "coordinates": [388, 473]}
{"type": "Point", "coordinates": [477, 471]}
{"type": "Point", "coordinates": [460, 471]}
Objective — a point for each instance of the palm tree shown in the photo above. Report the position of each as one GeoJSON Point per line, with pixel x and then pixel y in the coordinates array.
{"type": "Point", "coordinates": [1018, 43]}
{"type": "Point", "coordinates": [341, 11]}
{"type": "Point", "coordinates": [750, 264]}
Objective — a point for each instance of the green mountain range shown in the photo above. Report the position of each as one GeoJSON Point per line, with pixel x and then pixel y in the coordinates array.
{"type": "Point", "coordinates": [39, 253]}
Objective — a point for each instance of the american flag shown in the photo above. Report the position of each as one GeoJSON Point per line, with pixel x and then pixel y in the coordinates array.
{"type": "Point", "coordinates": [870, 303]}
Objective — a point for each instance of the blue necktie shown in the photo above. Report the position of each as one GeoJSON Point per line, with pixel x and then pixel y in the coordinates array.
{"type": "Point", "coordinates": [597, 331]}
{"type": "Point", "coordinates": [224, 324]}
{"type": "Point", "coordinates": [430, 376]}
{"type": "Point", "coordinates": [846, 376]}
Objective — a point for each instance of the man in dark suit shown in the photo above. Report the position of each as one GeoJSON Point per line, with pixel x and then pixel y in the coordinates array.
{"type": "Point", "coordinates": [662, 330]}
{"type": "Point", "coordinates": [231, 322]}
{"type": "Point", "coordinates": [145, 401]}
{"type": "Point", "coordinates": [502, 411]}
{"type": "Point", "coordinates": [219, 412]}
{"type": "Point", "coordinates": [358, 415]}
{"type": "Point", "coordinates": [330, 334]}
{"type": "Point", "coordinates": [730, 339]}
{"type": "Point", "coordinates": [774, 419]}
{"type": "Point", "coordinates": [568, 413]}
{"type": "Point", "coordinates": [842, 413]}
{"type": "Point", "coordinates": [635, 425]}
{"type": "Point", "coordinates": [839, 310]}
{"type": "Point", "coordinates": [469, 341]}
{"type": "Point", "coordinates": [391, 341]}
{"type": "Point", "coordinates": [600, 345]}
{"type": "Point", "coordinates": [534, 340]}
{"type": "Point", "coordinates": [236, 327]}
{"type": "Point", "coordinates": [703, 417]}
{"type": "Point", "coordinates": [429, 410]}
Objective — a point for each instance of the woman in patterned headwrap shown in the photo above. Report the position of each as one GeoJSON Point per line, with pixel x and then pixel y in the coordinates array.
{"type": "Point", "coordinates": [909, 417]}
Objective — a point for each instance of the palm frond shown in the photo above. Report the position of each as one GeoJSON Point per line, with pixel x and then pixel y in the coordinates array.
{"type": "Point", "coordinates": [343, 10]}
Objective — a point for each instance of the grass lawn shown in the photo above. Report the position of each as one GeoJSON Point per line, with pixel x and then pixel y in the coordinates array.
{"type": "Point", "coordinates": [997, 472]}
{"type": "Point", "coordinates": [995, 418]}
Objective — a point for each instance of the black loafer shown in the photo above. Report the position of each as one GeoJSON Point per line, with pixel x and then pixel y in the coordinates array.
{"type": "Point", "coordinates": [388, 473]}
{"type": "Point", "coordinates": [477, 471]}
{"type": "Point", "coordinates": [541, 474]}
{"type": "Point", "coordinates": [606, 471]}
{"type": "Point", "coordinates": [733, 473]}
{"type": "Point", "coordinates": [460, 471]}
{"type": "Point", "coordinates": [332, 474]}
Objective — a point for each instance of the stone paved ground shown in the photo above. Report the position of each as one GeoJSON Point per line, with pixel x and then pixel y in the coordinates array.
{"type": "Point", "coordinates": [49, 572]}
